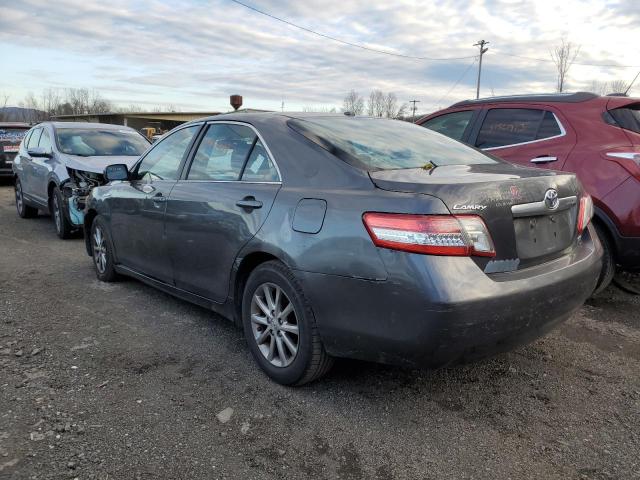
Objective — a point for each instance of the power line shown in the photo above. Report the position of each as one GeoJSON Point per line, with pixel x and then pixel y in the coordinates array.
{"type": "Point", "coordinates": [412, 57]}
{"type": "Point", "coordinates": [457, 82]}
{"type": "Point", "coordinates": [344, 42]}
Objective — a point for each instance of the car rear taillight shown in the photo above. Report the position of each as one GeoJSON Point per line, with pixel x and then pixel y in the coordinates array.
{"type": "Point", "coordinates": [462, 235]}
{"type": "Point", "coordinates": [628, 159]}
{"type": "Point", "coordinates": [585, 213]}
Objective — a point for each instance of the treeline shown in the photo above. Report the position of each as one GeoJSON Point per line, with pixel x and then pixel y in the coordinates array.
{"type": "Point", "coordinates": [67, 101]}
{"type": "Point", "coordinates": [378, 104]}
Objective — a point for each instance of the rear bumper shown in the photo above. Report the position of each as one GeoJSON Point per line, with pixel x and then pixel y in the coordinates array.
{"type": "Point", "coordinates": [433, 311]}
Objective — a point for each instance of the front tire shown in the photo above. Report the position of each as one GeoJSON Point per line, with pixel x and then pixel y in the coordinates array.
{"type": "Point", "coordinates": [24, 210]}
{"type": "Point", "coordinates": [102, 251]}
{"type": "Point", "coordinates": [64, 229]}
{"type": "Point", "coordinates": [280, 328]}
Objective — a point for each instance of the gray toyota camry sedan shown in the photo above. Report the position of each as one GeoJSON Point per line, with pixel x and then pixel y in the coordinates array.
{"type": "Point", "coordinates": [330, 236]}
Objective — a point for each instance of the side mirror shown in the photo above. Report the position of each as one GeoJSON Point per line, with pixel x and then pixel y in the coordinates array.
{"type": "Point", "coordinates": [39, 152]}
{"type": "Point", "coordinates": [119, 171]}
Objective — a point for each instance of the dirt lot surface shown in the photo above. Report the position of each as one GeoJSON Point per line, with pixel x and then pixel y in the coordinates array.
{"type": "Point", "coordinates": [120, 381]}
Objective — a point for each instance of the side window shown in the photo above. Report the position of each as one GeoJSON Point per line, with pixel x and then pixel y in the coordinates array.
{"type": "Point", "coordinates": [25, 140]}
{"type": "Point", "coordinates": [259, 167]}
{"type": "Point", "coordinates": [222, 152]}
{"type": "Point", "coordinates": [163, 161]}
{"type": "Point", "coordinates": [45, 140]}
{"type": "Point", "coordinates": [549, 127]}
{"type": "Point", "coordinates": [508, 126]}
{"type": "Point", "coordinates": [35, 138]}
{"type": "Point", "coordinates": [450, 124]}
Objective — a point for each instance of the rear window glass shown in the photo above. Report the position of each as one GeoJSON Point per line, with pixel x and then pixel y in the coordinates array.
{"type": "Point", "coordinates": [450, 124]}
{"type": "Point", "coordinates": [627, 117]}
{"type": "Point", "coordinates": [380, 144]}
{"type": "Point", "coordinates": [96, 142]}
{"type": "Point", "coordinates": [549, 127]}
{"type": "Point", "coordinates": [507, 126]}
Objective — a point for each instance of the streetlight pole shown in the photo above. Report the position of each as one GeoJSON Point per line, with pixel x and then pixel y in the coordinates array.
{"type": "Point", "coordinates": [483, 50]}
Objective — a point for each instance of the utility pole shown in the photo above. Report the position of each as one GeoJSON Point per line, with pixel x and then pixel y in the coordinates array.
{"type": "Point", "coordinates": [483, 50]}
{"type": "Point", "coordinates": [413, 116]}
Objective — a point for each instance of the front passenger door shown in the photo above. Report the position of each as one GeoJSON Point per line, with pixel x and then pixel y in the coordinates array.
{"type": "Point", "coordinates": [138, 207]}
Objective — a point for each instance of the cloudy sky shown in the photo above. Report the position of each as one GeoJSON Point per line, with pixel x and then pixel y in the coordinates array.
{"type": "Point", "coordinates": [193, 54]}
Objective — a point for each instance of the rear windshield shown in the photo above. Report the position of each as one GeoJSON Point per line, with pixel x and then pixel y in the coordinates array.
{"type": "Point", "coordinates": [627, 117]}
{"type": "Point", "coordinates": [102, 143]}
{"type": "Point", "coordinates": [10, 138]}
{"type": "Point", "coordinates": [380, 144]}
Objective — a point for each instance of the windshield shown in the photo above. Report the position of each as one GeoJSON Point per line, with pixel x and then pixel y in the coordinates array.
{"type": "Point", "coordinates": [10, 138]}
{"type": "Point", "coordinates": [101, 143]}
{"type": "Point", "coordinates": [380, 144]}
{"type": "Point", "coordinates": [627, 117]}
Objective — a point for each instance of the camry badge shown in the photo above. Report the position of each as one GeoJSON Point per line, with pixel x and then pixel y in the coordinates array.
{"type": "Point", "coordinates": [469, 207]}
{"type": "Point", "coordinates": [551, 199]}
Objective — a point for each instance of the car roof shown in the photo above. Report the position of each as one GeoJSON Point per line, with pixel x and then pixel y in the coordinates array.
{"type": "Point", "coordinates": [262, 116]}
{"type": "Point", "coordinates": [542, 97]}
{"type": "Point", "coordinates": [86, 125]}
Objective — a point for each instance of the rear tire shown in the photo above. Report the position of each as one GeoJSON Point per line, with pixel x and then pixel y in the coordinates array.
{"type": "Point", "coordinates": [102, 251]}
{"type": "Point", "coordinates": [24, 210]}
{"type": "Point", "coordinates": [608, 261]}
{"type": "Point", "coordinates": [280, 328]}
{"type": "Point", "coordinates": [64, 229]}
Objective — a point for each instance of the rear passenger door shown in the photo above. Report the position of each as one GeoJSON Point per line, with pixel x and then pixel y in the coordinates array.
{"type": "Point", "coordinates": [531, 136]}
{"type": "Point", "coordinates": [222, 200]}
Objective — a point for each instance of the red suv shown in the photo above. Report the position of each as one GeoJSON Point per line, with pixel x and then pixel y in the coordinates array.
{"type": "Point", "coordinates": [598, 138]}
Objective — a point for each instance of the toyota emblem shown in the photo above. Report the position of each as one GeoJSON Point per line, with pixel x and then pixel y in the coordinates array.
{"type": "Point", "coordinates": [551, 199]}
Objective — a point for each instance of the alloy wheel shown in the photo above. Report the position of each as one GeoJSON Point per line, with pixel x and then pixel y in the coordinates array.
{"type": "Point", "coordinates": [275, 325]}
{"type": "Point", "coordinates": [99, 250]}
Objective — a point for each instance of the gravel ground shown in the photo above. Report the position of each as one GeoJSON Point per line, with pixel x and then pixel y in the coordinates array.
{"type": "Point", "coordinates": [120, 381]}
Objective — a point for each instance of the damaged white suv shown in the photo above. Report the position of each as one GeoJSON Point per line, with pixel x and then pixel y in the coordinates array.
{"type": "Point", "coordinates": [58, 164]}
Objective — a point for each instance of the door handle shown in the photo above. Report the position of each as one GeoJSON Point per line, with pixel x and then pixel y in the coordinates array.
{"type": "Point", "coordinates": [250, 203]}
{"type": "Point", "coordinates": [159, 198]}
{"type": "Point", "coordinates": [544, 159]}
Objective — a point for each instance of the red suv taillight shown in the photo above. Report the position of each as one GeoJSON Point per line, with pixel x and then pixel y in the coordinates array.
{"type": "Point", "coordinates": [585, 213]}
{"type": "Point", "coordinates": [462, 235]}
{"type": "Point", "coordinates": [627, 157]}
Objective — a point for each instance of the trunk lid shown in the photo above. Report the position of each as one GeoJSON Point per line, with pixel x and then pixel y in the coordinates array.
{"type": "Point", "coordinates": [511, 201]}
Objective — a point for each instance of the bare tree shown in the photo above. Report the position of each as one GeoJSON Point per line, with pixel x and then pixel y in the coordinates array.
{"type": "Point", "coordinates": [376, 103]}
{"type": "Point", "coordinates": [563, 56]}
{"type": "Point", "coordinates": [617, 86]}
{"type": "Point", "coordinates": [4, 100]}
{"type": "Point", "coordinates": [319, 109]}
{"type": "Point", "coordinates": [353, 103]}
{"type": "Point", "coordinates": [391, 107]}
{"type": "Point", "coordinates": [607, 88]}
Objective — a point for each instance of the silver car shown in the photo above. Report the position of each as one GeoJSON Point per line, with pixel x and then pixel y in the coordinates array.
{"type": "Point", "coordinates": [58, 163]}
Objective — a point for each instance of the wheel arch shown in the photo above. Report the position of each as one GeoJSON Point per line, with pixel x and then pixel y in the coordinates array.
{"type": "Point", "coordinates": [244, 266]}
{"type": "Point", "coordinates": [601, 219]}
{"type": "Point", "coordinates": [89, 217]}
